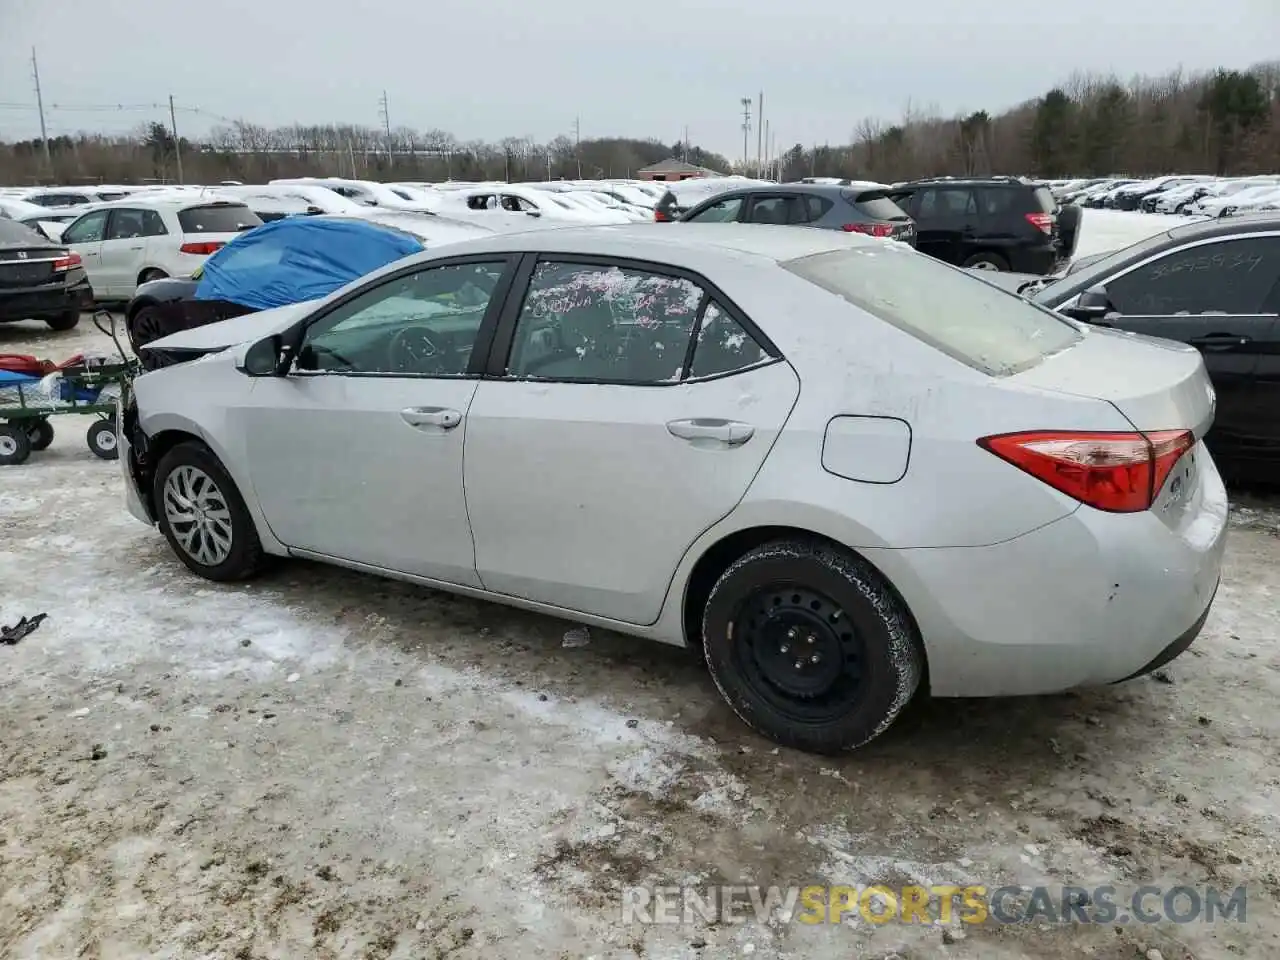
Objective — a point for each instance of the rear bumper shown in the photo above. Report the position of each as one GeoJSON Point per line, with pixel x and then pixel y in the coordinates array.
{"type": "Point", "coordinates": [36, 303]}
{"type": "Point", "coordinates": [1040, 260]}
{"type": "Point", "coordinates": [1088, 600]}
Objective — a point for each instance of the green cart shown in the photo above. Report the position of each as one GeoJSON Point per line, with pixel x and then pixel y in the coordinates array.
{"type": "Point", "coordinates": [90, 389]}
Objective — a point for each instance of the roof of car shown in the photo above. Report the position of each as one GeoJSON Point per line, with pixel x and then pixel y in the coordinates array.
{"type": "Point", "coordinates": [172, 201]}
{"type": "Point", "coordinates": [820, 189]}
{"type": "Point", "coordinates": [1244, 223]}
{"type": "Point", "coordinates": [670, 243]}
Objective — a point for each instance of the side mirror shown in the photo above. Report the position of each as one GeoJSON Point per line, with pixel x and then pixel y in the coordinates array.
{"type": "Point", "coordinates": [263, 359]}
{"type": "Point", "coordinates": [1093, 305]}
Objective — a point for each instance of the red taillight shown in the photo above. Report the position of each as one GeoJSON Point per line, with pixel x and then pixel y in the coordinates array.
{"type": "Point", "coordinates": [1041, 221]}
{"type": "Point", "coordinates": [72, 259]}
{"type": "Point", "coordinates": [870, 229]}
{"type": "Point", "coordinates": [660, 217]}
{"type": "Point", "coordinates": [203, 249]}
{"type": "Point", "coordinates": [1116, 472]}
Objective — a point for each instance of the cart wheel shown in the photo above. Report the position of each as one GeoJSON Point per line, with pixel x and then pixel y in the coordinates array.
{"type": "Point", "coordinates": [102, 439]}
{"type": "Point", "coordinates": [15, 445]}
{"type": "Point", "coordinates": [40, 433]}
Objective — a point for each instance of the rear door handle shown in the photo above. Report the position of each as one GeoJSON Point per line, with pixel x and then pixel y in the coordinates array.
{"type": "Point", "coordinates": [135, 248]}
{"type": "Point", "coordinates": [442, 417]}
{"type": "Point", "coordinates": [732, 433]}
{"type": "Point", "coordinates": [1220, 341]}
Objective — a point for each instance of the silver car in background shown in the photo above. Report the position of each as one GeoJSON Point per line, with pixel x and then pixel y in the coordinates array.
{"type": "Point", "coordinates": [844, 470]}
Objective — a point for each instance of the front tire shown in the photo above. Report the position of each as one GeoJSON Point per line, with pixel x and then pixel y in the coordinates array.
{"type": "Point", "coordinates": [810, 646]}
{"type": "Point", "coordinates": [102, 441]}
{"type": "Point", "coordinates": [15, 444]}
{"type": "Point", "coordinates": [203, 516]}
{"type": "Point", "coordinates": [67, 320]}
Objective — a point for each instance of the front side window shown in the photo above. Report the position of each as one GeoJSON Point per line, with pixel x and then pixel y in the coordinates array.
{"type": "Point", "coordinates": [604, 324]}
{"type": "Point", "coordinates": [1230, 276]}
{"type": "Point", "coordinates": [421, 324]}
{"type": "Point", "coordinates": [88, 229]}
{"type": "Point", "coordinates": [722, 211]}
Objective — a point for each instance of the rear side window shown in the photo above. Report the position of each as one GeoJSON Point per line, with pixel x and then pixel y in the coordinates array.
{"type": "Point", "coordinates": [1043, 199]}
{"type": "Point", "coordinates": [876, 205]}
{"type": "Point", "coordinates": [224, 218]}
{"type": "Point", "coordinates": [967, 318]}
{"type": "Point", "coordinates": [817, 207]}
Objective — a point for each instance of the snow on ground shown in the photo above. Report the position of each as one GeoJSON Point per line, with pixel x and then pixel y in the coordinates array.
{"type": "Point", "coordinates": [1105, 230]}
{"type": "Point", "coordinates": [323, 764]}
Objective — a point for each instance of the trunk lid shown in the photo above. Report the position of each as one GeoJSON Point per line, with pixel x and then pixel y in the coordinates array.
{"type": "Point", "coordinates": [1156, 384]}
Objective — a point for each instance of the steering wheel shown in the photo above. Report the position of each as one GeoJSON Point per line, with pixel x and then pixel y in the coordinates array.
{"type": "Point", "coordinates": [411, 350]}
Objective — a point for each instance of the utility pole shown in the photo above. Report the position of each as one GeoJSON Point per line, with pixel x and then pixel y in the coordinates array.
{"type": "Point", "coordinates": [44, 136]}
{"type": "Point", "coordinates": [177, 144]}
{"type": "Point", "coordinates": [577, 143]}
{"type": "Point", "coordinates": [762, 139]}
{"type": "Point", "coordinates": [384, 112]}
{"type": "Point", "coordinates": [746, 130]}
{"type": "Point", "coordinates": [684, 145]}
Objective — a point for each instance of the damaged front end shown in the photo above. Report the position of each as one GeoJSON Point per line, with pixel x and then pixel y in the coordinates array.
{"type": "Point", "coordinates": [135, 460]}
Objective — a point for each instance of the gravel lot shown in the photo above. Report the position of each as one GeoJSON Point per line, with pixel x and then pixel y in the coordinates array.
{"type": "Point", "coordinates": [322, 764]}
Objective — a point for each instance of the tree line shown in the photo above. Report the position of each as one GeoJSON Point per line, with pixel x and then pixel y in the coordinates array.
{"type": "Point", "coordinates": [1222, 122]}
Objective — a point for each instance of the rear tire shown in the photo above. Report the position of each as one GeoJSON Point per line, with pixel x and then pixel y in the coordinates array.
{"type": "Point", "coordinates": [810, 646]}
{"type": "Point", "coordinates": [15, 445]}
{"type": "Point", "coordinates": [204, 518]}
{"type": "Point", "coordinates": [152, 274]}
{"type": "Point", "coordinates": [68, 320]}
{"type": "Point", "coordinates": [40, 433]}
{"type": "Point", "coordinates": [986, 261]}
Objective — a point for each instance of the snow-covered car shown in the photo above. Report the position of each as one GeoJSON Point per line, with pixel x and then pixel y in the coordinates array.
{"type": "Point", "coordinates": [367, 192]}
{"type": "Point", "coordinates": [129, 242]}
{"type": "Point", "coordinates": [689, 435]}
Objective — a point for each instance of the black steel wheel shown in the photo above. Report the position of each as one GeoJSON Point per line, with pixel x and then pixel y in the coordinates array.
{"type": "Point", "coordinates": [810, 646]}
{"type": "Point", "coordinates": [40, 433]}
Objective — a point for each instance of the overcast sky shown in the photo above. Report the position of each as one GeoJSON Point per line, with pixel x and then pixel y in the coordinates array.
{"type": "Point", "coordinates": [495, 68]}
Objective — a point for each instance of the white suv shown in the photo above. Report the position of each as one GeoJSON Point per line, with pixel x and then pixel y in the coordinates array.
{"type": "Point", "coordinates": [128, 242]}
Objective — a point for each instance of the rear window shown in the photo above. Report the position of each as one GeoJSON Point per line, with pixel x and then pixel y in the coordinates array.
{"type": "Point", "coordinates": [222, 218]}
{"type": "Point", "coordinates": [877, 205]}
{"type": "Point", "coordinates": [967, 318]}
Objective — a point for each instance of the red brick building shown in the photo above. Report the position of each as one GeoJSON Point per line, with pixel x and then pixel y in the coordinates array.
{"type": "Point", "coordinates": [674, 169]}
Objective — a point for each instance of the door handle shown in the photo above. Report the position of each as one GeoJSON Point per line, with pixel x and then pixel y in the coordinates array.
{"type": "Point", "coordinates": [1220, 341]}
{"type": "Point", "coordinates": [730, 432]}
{"type": "Point", "coordinates": [441, 417]}
{"type": "Point", "coordinates": [135, 248]}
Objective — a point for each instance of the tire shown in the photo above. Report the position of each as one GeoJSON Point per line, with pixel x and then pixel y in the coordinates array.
{"type": "Point", "coordinates": [67, 320]}
{"type": "Point", "coordinates": [40, 433]}
{"type": "Point", "coordinates": [15, 445]}
{"type": "Point", "coordinates": [196, 474]}
{"type": "Point", "coordinates": [987, 261]}
{"type": "Point", "coordinates": [152, 274]}
{"type": "Point", "coordinates": [801, 593]}
{"type": "Point", "coordinates": [102, 441]}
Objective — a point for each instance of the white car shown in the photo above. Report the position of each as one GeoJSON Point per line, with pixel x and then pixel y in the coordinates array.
{"type": "Point", "coordinates": [834, 465]}
{"type": "Point", "coordinates": [367, 192]}
{"type": "Point", "coordinates": [1230, 194]}
{"type": "Point", "coordinates": [512, 198]}
{"type": "Point", "coordinates": [131, 241]}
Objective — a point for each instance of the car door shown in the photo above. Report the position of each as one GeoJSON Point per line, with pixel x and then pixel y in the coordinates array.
{"type": "Point", "coordinates": [629, 406]}
{"type": "Point", "coordinates": [776, 208]}
{"type": "Point", "coordinates": [123, 252]}
{"type": "Point", "coordinates": [946, 217]}
{"type": "Point", "coordinates": [1220, 296]}
{"type": "Point", "coordinates": [720, 210]}
{"type": "Point", "coordinates": [356, 454]}
{"type": "Point", "coordinates": [84, 236]}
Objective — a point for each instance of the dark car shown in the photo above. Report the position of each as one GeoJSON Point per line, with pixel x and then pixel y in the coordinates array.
{"type": "Point", "coordinates": [1214, 285]}
{"type": "Point", "coordinates": [998, 223]}
{"type": "Point", "coordinates": [40, 279]}
{"type": "Point", "coordinates": [853, 209]}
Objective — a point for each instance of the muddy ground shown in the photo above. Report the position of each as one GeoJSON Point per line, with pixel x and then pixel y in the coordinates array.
{"type": "Point", "coordinates": [322, 764]}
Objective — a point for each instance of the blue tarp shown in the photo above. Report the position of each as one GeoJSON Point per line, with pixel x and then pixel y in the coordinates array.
{"type": "Point", "coordinates": [299, 258]}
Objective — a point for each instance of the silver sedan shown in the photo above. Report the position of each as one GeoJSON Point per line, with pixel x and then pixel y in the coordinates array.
{"type": "Point", "coordinates": [843, 470]}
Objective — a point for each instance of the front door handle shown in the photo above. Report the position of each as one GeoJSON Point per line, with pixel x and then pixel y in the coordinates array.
{"type": "Point", "coordinates": [733, 433]}
{"type": "Point", "coordinates": [441, 417]}
{"type": "Point", "coordinates": [135, 248]}
{"type": "Point", "coordinates": [1220, 341]}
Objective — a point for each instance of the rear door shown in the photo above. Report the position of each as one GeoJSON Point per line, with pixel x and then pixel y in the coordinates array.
{"type": "Point", "coordinates": [946, 221]}
{"type": "Point", "coordinates": [1221, 297]}
{"type": "Point", "coordinates": [123, 252]}
{"type": "Point", "coordinates": [613, 431]}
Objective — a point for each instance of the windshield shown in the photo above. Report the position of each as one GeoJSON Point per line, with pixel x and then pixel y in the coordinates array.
{"type": "Point", "coordinates": [965, 317]}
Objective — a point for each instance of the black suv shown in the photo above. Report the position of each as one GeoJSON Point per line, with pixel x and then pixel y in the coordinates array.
{"type": "Point", "coordinates": [998, 223]}
{"type": "Point", "coordinates": [851, 207]}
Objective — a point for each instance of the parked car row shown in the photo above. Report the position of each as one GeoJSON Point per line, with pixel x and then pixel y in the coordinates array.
{"type": "Point", "coordinates": [1198, 195]}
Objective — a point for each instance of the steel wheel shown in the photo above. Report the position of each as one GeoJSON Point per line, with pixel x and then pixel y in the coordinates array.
{"type": "Point", "coordinates": [198, 515]}
{"type": "Point", "coordinates": [798, 651]}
